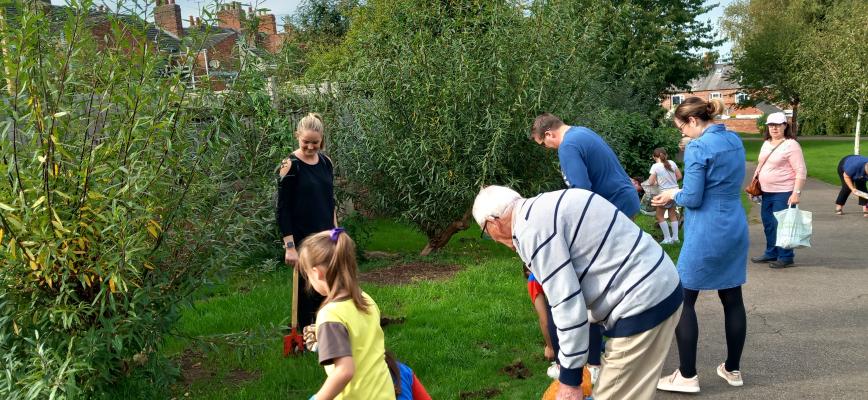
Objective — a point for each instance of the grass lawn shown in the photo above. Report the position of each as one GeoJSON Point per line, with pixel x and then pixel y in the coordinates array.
{"type": "Point", "coordinates": [821, 155]}
{"type": "Point", "coordinates": [458, 334]}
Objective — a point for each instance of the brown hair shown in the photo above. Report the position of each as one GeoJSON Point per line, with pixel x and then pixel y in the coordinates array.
{"type": "Point", "coordinates": [311, 122]}
{"type": "Point", "coordinates": [338, 258]}
{"type": "Point", "coordinates": [788, 132]}
{"type": "Point", "coordinates": [699, 109]}
{"type": "Point", "coordinates": [543, 123]}
{"type": "Point", "coordinates": [664, 158]}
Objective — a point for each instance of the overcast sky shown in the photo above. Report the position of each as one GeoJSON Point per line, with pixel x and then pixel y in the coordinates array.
{"type": "Point", "coordinates": [284, 8]}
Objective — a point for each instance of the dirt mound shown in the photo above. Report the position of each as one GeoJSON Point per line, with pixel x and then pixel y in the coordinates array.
{"type": "Point", "coordinates": [410, 273]}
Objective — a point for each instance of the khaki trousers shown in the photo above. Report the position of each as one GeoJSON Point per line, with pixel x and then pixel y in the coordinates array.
{"type": "Point", "coordinates": [631, 365]}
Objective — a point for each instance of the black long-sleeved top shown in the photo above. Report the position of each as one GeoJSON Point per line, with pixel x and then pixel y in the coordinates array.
{"type": "Point", "coordinates": [305, 198]}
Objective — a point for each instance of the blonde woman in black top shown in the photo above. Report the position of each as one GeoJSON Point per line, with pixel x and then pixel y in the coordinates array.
{"type": "Point", "coordinates": [305, 202]}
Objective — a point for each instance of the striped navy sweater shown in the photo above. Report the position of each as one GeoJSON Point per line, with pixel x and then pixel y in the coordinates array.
{"type": "Point", "coordinates": [595, 265]}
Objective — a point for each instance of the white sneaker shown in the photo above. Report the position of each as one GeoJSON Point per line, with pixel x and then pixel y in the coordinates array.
{"type": "Point", "coordinates": [666, 241]}
{"type": "Point", "coordinates": [732, 378]}
{"type": "Point", "coordinates": [553, 371]}
{"type": "Point", "coordinates": [595, 374]}
{"type": "Point", "coordinates": [678, 383]}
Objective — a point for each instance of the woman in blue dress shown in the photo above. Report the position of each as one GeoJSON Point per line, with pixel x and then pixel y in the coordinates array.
{"type": "Point", "coordinates": [714, 255]}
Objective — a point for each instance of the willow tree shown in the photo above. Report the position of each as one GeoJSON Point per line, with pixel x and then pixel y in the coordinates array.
{"type": "Point", "coordinates": [435, 99]}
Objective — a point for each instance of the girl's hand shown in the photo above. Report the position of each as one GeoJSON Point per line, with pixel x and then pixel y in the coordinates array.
{"type": "Point", "coordinates": [794, 199]}
{"type": "Point", "coordinates": [290, 257]}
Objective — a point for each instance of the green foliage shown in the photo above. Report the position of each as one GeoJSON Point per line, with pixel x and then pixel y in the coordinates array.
{"type": "Point", "coordinates": [122, 189]}
{"type": "Point", "coordinates": [834, 70]}
{"type": "Point", "coordinates": [633, 138]}
{"type": "Point", "coordinates": [436, 98]}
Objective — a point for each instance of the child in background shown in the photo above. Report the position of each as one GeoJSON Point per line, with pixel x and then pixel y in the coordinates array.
{"type": "Point", "coordinates": [538, 298]}
{"type": "Point", "coordinates": [665, 174]}
{"type": "Point", "coordinates": [543, 312]}
{"type": "Point", "coordinates": [349, 338]}
{"type": "Point", "coordinates": [407, 385]}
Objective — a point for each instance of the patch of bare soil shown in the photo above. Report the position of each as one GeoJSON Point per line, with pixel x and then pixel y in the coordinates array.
{"type": "Point", "coordinates": [517, 370]}
{"type": "Point", "coordinates": [193, 367]}
{"type": "Point", "coordinates": [386, 321]}
{"type": "Point", "coordinates": [237, 377]}
{"type": "Point", "coordinates": [479, 394]}
{"type": "Point", "coordinates": [410, 273]}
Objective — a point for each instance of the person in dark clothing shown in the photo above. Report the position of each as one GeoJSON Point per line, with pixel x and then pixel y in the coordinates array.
{"type": "Point", "coordinates": [853, 172]}
{"type": "Point", "coordinates": [305, 202]}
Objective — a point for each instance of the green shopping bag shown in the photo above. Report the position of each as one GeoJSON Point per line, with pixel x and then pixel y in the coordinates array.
{"type": "Point", "coordinates": [794, 228]}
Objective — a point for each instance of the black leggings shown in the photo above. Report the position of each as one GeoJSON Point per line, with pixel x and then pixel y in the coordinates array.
{"type": "Point", "coordinates": [687, 331]}
{"type": "Point", "coordinates": [845, 190]}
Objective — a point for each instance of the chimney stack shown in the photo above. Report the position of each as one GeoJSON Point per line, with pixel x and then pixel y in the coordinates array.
{"type": "Point", "coordinates": [167, 16]}
{"type": "Point", "coordinates": [267, 23]}
{"type": "Point", "coordinates": [231, 16]}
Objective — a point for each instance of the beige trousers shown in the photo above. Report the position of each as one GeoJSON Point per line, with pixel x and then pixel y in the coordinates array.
{"type": "Point", "coordinates": [631, 365]}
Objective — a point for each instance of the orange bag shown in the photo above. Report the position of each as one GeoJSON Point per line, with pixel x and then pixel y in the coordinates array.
{"type": "Point", "coordinates": [552, 392]}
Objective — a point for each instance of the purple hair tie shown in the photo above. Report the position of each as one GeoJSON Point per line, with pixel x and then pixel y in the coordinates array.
{"type": "Point", "coordinates": [335, 232]}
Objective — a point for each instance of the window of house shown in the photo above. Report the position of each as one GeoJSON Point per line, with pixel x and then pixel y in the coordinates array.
{"type": "Point", "coordinates": [715, 95]}
{"type": "Point", "coordinates": [741, 98]}
{"type": "Point", "coordinates": [677, 99]}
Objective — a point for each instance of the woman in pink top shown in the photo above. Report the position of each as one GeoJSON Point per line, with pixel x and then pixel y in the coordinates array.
{"type": "Point", "coordinates": [782, 173]}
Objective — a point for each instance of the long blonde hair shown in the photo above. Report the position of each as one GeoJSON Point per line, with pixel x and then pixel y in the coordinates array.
{"type": "Point", "coordinates": [335, 251]}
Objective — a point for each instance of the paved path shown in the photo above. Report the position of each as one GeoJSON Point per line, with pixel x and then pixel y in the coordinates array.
{"type": "Point", "coordinates": [807, 325]}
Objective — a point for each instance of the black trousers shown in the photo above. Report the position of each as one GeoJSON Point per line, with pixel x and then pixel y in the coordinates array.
{"type": "Point", "coordinates": [845, 190]}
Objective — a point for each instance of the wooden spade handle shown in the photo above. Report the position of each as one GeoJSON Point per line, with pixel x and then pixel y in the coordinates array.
{"type": "Point", "coordinates": [294, 297]}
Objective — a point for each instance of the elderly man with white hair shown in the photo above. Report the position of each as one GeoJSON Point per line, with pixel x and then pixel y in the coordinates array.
{"type": "Point", "coordinates": [595, 265]}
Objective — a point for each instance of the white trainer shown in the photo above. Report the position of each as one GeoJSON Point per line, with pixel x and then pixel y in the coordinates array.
{"type": "Point", "coordinates": [553, 371]}
{"type": "Point", "coordinates": [678, 383]}
{"type": "Point", "coordinates": [733, 378]}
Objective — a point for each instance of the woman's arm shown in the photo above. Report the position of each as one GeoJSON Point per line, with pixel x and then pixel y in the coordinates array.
{"type": "Point", "coordinates": [652, 180]}
{"type": "Point", "coordinates": [796, 160]}
{"type": "Point", "coordinates": [692, 192]}
{"type": "Point", "coordinates": [338, 380]}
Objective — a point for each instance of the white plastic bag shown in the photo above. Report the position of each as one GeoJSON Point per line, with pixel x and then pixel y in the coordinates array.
{"type": "Point", "coordinates": [794, 228]}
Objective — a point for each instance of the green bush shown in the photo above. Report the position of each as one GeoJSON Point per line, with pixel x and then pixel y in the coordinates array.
{"type": "Point", "coordinates": [123, 187]}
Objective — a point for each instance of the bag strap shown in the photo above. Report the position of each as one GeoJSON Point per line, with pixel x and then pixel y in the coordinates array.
{"type": "Point", "coordinates": [767, 158]}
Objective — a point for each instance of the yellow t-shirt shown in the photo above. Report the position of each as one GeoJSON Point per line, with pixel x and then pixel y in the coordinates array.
{"type": "Point", "coordinates": [343, 330]}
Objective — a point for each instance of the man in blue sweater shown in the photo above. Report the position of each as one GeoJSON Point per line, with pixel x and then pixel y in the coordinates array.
{"type": "Point", "coordinates": [596, 266]}
{"type": "Point", "coordinates": [587, 162]}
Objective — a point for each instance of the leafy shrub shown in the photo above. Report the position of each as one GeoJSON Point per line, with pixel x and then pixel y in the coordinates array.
{"type": "Point", "coordinates": [121, 191]}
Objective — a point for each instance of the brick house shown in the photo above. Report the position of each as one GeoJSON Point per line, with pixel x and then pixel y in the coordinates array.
{"type": "Point", "coordinates": [216, 50]}
{"type": "Point", "coordinates": [717, 85]}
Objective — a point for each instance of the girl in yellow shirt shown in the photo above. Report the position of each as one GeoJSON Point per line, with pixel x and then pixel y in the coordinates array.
{"type": "Point", "coordinates": [350, 340]}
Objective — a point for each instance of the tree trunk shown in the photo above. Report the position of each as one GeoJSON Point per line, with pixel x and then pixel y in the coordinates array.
{"type": "Point", "coordinates": [439, 240]}
{"type": "Point", "coordinates": [858, 129]}
{"type": "Point", "coordinates": [795, 104]}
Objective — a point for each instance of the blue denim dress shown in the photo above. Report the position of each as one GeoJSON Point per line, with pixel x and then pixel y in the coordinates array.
{"type": "Point", "coordinates": [714, 254]}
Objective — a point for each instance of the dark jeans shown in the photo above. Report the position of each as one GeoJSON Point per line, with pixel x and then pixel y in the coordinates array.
{"type": "Point", "coordinates": [774, 202]}
{"type": "Point", "coordinates": [845, 190]}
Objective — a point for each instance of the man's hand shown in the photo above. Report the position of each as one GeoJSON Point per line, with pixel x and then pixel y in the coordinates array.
{"type": "Point", "coordinates": [566, 392]}
{"type": "Point", "coordinates": [549, 353]}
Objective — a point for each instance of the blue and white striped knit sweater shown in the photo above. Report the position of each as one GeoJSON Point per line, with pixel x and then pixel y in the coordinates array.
{"type": "Point", "coordinates": [595, 265]}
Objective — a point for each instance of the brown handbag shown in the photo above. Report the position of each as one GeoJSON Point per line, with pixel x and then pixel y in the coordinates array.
{"type": "Point", "coordinates": [754, 188]}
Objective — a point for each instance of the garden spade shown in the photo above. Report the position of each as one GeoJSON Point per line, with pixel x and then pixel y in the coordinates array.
{"type": "Point", "coordinates": [294, 342]}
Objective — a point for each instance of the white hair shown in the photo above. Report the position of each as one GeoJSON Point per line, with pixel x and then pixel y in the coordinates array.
{"type": "Point", "coordinates": [492, 201]}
